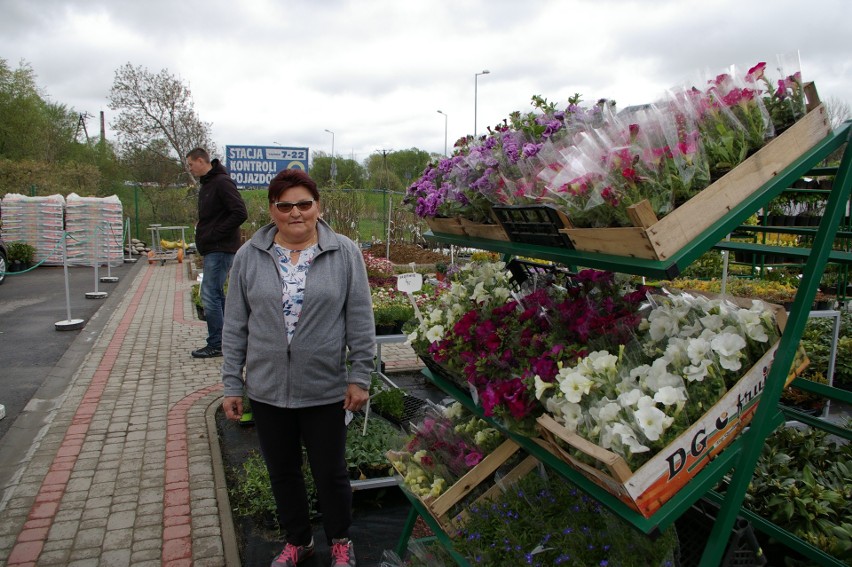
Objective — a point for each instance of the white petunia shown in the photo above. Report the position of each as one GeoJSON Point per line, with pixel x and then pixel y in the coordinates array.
{"type": "Point", "coordinates": [652, 421]}
{"type": "Point", "coordinates": [541, 386]}
{"type": "Point", "coordinates": [659, 376]}
{"type": "Point", "coordinates": [669, 396]}
{"type": "Point", "coordinates": [732, 363]}
{"type": "Point", "coordinates": [712, 322]}
{"type": "Point", "coordinates": [630, 398]}
{"type": "Point", "coordinates": [573, 384]}
{"type": "Point", "coordinates": [728, 345]}
{"type": "Point", "coordinates": [411, 338]}
{"type": "Point", "coordinates": [435, 334]}
{"type": "Point", "coordinates": [568, 413]}
{"type": "Point", "coordinates": [607, 412]}
{"type": "Point", "coordinates": [698, 350]}
{"type": "Point", "coordinates": [603, 362]}
{"type": "Point", "coordinates": [501, 294]}
{"type": "Point", "coordinates": [480, 294]}
{"type": "Point", "coordinates": [628, 438]}
{"type": "Point", "coordinates": [698, 372]}
{"type": "Point", "coordinates": [662, 327]}
{"type": "Point", "coordinates": [752, 324]}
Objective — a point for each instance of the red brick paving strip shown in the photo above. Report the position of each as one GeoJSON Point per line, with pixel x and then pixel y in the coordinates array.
{"type": "Point", "coordinates": [30, 541]}
{"type": "Point", "coordinates": [177, 537]}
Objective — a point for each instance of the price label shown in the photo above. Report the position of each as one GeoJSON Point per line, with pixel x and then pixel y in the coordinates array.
{"type": "Point", "coordinates": [409, 283]}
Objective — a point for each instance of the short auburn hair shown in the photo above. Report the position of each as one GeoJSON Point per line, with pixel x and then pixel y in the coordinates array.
{"type": "Point", "coordinates": [289, 178]}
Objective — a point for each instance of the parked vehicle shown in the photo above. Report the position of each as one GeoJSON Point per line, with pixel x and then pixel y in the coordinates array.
{"type": "Point", "coordinates": [4, 264]}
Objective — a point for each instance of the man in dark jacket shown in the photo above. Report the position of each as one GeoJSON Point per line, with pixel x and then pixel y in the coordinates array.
{"type": "Point", "coordinates": [221, 211]}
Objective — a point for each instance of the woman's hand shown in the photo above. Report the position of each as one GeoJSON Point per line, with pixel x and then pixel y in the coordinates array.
{"type": "Point", "coordinates": [356, 397]}
{"type": "Point", "coordinates": [233, 406]}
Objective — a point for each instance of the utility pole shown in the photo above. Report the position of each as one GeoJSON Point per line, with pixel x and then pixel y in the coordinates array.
{"type": "Point", "coordinates": [81, 123]}
{"type": "Point", "coordinates": [385, 192]}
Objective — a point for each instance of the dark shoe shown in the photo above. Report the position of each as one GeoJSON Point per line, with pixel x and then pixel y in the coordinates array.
{"type": "Point", "coordinates": [207, 352]}
{"type": "Point", "coordinates": [292, 555]}
{"type": "Point", "coordinates": [342, 553]}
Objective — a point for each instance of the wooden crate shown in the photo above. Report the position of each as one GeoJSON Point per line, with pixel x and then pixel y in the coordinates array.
{"type": "Point", "coordinates": [441, 507]}
{"type": "Point", "coordinates": [654, 483]}
{"type": "Point", "coordinates": [482, 230]}
{"type": "Point", "coordinates": [660, 239]}
{"type": "Point", "coordinates": [446, 225]}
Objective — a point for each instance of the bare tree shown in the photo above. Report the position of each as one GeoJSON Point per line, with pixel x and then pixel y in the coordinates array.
{"type": "Point", "coordinates": [157, 108]}
{"type": "Point", "coordinates": [838, 111]}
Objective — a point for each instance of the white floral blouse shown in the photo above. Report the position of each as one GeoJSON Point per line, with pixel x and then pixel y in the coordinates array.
{"type": "Point", "coordinates": [293, 283]}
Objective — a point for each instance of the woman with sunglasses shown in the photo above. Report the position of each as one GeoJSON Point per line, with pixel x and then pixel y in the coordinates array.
{"type": "Point", "coordinates": [298, 310]}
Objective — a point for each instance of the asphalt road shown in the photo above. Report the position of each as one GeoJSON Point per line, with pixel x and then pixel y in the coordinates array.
{"type": "Point", "coordinates": [34, 356]}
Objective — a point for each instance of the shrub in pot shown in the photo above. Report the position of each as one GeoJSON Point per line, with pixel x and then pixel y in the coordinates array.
{"type": "Point", "coordinates": [20, 255]}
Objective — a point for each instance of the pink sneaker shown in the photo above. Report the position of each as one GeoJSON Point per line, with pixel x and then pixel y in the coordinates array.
{"type": "Point", "coordinates": [292, 555]}
{"type": "Point", "coordinates": [342, 553]}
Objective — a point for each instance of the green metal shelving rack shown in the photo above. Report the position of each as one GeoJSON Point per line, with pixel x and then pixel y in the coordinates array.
{"type": "Point", "coordinates": [742, 455]}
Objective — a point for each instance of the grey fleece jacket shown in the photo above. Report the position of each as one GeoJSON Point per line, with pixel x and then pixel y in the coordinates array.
{"type": "Point", "coordinates": [337, 314]}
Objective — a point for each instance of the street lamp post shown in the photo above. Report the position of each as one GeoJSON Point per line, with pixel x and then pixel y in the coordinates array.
{"type": "Point", "coordinates": [445, 131]}
{"type": "Point", "coordinates": [475, 96]}
{"type": "Point", "coordinates": [333, 168]}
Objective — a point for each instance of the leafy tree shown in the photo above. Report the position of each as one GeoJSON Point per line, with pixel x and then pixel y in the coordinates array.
{"type": "Point", "coordinates": [397, 169]}
{"type": "Point", "coordinates": [38, 143]}
{"type": "Point", "coordinates": [350, 173]}
{"type": "Point", "coordinates": [30, 127]}
{"type": "Point", "coordinates": [157, 108]}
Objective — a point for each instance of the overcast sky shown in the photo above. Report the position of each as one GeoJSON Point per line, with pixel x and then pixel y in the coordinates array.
{"type": "Point", "coordinates": [376, 72]}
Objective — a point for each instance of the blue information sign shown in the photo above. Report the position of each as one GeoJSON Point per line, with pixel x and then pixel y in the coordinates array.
{"type": "Point", "coordinates": [255, 166]}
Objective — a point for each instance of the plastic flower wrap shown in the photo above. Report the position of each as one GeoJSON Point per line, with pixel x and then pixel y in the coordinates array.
{"type": "Point", "coordinates": [634, 398]}
{"type": "Point", "coordinates": [444, 446]}
{"type": "Point", "coordinates": [785, 98]}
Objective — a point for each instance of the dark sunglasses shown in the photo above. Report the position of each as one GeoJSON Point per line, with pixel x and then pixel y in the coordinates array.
{"type": "Point", "coordinates": [286, 206]}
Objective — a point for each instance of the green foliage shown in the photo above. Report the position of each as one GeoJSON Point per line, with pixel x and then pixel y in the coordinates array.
{"type": "Point", "coordinates": [343, 209]}
{"type": "Point", "coordinates": [802, 484]}
{"type": "Point", "coordinates": [816, 340]}
{"type": "Point", "coordinates": [396, 170]}
{"type": "Point", "coordinates": [387, 400]}
{"type": "Point", "coordinates": [20, 251]}
{"type": "Point", "coordinates": [42, 143]}
{"type": "Point", "coordinates": [251, 494]}
{"type": "Point", "coordinates": [708, 265]}
{"type": "Point", "coordinates": [365, 454]}
{"type": "Point", "coordinates": [251, 491]}
{"type": "Point", "coordinates": [392, 314]}
{"type": "Point", "coordinates": [350, 173]}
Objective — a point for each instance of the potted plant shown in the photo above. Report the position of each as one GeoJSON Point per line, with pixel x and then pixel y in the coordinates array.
{"type": "Point", "coordinates": [441, 270]}
{"type": "Point", "coordinates": [20, 255]}
{"type": "Point", "coordinates": [390, 317]}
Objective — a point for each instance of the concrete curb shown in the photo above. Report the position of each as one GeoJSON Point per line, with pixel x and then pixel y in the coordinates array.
{"type": "Point", "coordinates": [226, 519]}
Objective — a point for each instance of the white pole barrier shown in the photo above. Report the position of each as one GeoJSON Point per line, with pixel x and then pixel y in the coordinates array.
{"type": "Point", "coordinates": [95, 260]}
{"type": "Point", "coordinates": [130, 259]}
{"type": "Point", "coordinates": [68, 324]}
{"type": "Point", "coordinates": [109, 278]}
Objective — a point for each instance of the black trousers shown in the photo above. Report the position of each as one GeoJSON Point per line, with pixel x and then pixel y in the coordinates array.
{"type": "Point", "coordinates": [281, 432]}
